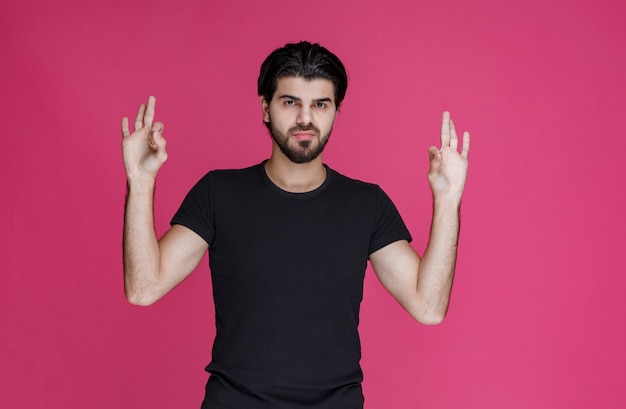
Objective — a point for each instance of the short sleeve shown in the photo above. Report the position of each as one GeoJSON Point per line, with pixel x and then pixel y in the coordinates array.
{"type": "Point", "coordinates": [196, 212]}
{"type": "Point", "coordinates": [388, 225]}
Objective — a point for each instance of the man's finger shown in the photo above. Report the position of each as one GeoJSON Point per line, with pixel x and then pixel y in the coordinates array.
{"type": "Point", "coordinates": [432, 151]}
{"type": "Point", "coordinates": [125, 131]}
{"type": "Point", "coordinates": [139, 118]}
{"type": "Point", "coordinates": [445, 129]}
{"type": "Point", "coordinates": [454, 140]}
{"type": "Point", "coordinates": [152, 140]}
{"type": "Point", "coordinates": [149, 116]}
{"type": "Point", "coordinates": [158, 127]}
{"type": "Point", "coordinates": [466, 144]}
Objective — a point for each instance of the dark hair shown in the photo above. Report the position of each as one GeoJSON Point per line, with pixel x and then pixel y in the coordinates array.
{"type": "Point", "coordinates": [303, 59]}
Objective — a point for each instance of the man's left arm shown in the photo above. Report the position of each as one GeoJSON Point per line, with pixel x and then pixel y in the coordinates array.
{"type": "Point", "coordinates": [422, 285]}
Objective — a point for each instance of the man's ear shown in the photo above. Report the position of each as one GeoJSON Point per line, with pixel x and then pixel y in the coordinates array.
{"type": "Point", "coordinates": [265, 106]}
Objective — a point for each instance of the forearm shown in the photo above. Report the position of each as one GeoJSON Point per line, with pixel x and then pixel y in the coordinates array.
{"type": "Point", "coordinates": [140, 244]}
{"type": "Point", "coordinates": [423, 285]}
{"type": "Point", "coordinates": [436, 269]}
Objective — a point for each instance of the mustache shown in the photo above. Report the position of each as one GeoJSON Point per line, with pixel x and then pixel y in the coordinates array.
{"type": "Point", "coordinates": [304, 128]}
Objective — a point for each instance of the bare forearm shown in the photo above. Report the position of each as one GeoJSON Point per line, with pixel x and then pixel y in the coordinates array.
{"type": "Point", "coordinates": [140, 245]}
{"type": "Point", "coordinates": [436, 269]}
{"type": "Point", "coordinates": [422, 286]}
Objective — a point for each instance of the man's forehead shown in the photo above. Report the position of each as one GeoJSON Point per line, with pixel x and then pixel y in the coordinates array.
{"type": "Point", "coordinates": [301, 87]}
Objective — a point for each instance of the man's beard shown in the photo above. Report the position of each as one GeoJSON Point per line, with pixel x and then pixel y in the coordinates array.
{"type": "Point", "coordinates": [306, 151]}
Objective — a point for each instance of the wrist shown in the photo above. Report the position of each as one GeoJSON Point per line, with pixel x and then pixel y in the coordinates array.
{"type": "Point", "coordinates": [140, 184]}
{"type": "Point", "coordinates": [447, 203]}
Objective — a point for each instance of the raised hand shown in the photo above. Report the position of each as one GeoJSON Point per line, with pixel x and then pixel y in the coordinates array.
{"type": "Point", "coordinates": [143, 150]}
{"type": "Point", "coordinates": [448, 167]}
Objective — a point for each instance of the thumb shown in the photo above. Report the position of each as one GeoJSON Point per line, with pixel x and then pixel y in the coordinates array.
{"type": "Point", "coordinates": [157, 130]}
{"type": "Point", "coordinates": [158, 141]}
{"type": "Point", "coordinates": [434, 154]}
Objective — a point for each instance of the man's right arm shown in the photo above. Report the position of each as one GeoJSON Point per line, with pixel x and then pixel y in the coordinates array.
{"type": "Point", "coordinates": [151, 267]}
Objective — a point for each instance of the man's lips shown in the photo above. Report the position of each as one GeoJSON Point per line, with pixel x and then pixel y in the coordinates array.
{"type": "Point", "coordinates": [303, 136]}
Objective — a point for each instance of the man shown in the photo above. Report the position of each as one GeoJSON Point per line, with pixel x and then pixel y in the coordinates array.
{"type": "Point", "coordinates": [288, 244]}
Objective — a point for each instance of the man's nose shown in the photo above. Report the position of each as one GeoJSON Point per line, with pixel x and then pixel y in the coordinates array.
{"type": "Point", "coordinates": [304, 116]}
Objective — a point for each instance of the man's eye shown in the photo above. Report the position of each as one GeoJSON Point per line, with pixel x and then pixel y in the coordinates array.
{"type": "Point", "coordinates": [290, 103]}
{"type": "Point", "coordinates": [320, 105]}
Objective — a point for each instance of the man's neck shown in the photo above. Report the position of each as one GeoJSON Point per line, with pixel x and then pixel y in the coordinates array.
{"type": "Point", "coordinates": [295, 177]}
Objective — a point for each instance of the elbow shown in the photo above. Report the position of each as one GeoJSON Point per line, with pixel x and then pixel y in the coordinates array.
{"type": "Point", "coordinates": [139, 298]}
{"type": "Point", "coordinates": [431, 319]}
{"type": "Point", "coordinates": [429, 310]}
{"type": "Point", "coordinates": [141, 292]}
{"type": "Point", "coordinates": [141, 302]}
{"type": "Point", "coordinates": [427, 316]}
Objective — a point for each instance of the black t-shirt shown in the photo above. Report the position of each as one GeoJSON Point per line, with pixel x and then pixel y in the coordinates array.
{"type": "Point", "coordinates": [287, 272]}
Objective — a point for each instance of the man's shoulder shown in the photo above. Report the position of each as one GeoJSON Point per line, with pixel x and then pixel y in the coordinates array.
{"type": "Point", "coordinates": [218, 175]}
{"type": "Point", "coordinates": [349, 182]}
{"type": "Point", "coordinates": [236, 172]}
{"type": "Point", "coordinates": [224, 179]}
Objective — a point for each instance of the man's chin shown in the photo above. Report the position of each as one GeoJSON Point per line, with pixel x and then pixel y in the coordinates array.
{"type": "Point", "coordinates": [298, 151]}
{"type": "Point", "coordinates": [302, 157]}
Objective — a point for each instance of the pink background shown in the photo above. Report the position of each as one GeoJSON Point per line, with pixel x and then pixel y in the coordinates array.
{"type": "Point", "coordinates": [537, 313]}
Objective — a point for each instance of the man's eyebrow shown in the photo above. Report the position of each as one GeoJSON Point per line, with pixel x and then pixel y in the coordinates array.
{"type": "Point", "coordinates": [287, 96]}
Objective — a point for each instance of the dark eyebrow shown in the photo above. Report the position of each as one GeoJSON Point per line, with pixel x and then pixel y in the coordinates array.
{"type": "Point", "coordinates": [287, 96]}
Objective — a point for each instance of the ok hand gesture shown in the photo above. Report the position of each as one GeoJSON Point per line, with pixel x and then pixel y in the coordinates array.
{"type": "Point", "coordinates": [143, 150]}
{"type": "Point", "coordinates": [448, 168]}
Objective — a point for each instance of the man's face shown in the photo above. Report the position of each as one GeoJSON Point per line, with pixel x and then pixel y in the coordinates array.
{"type": "Point", "coordinates": [301, 116]}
